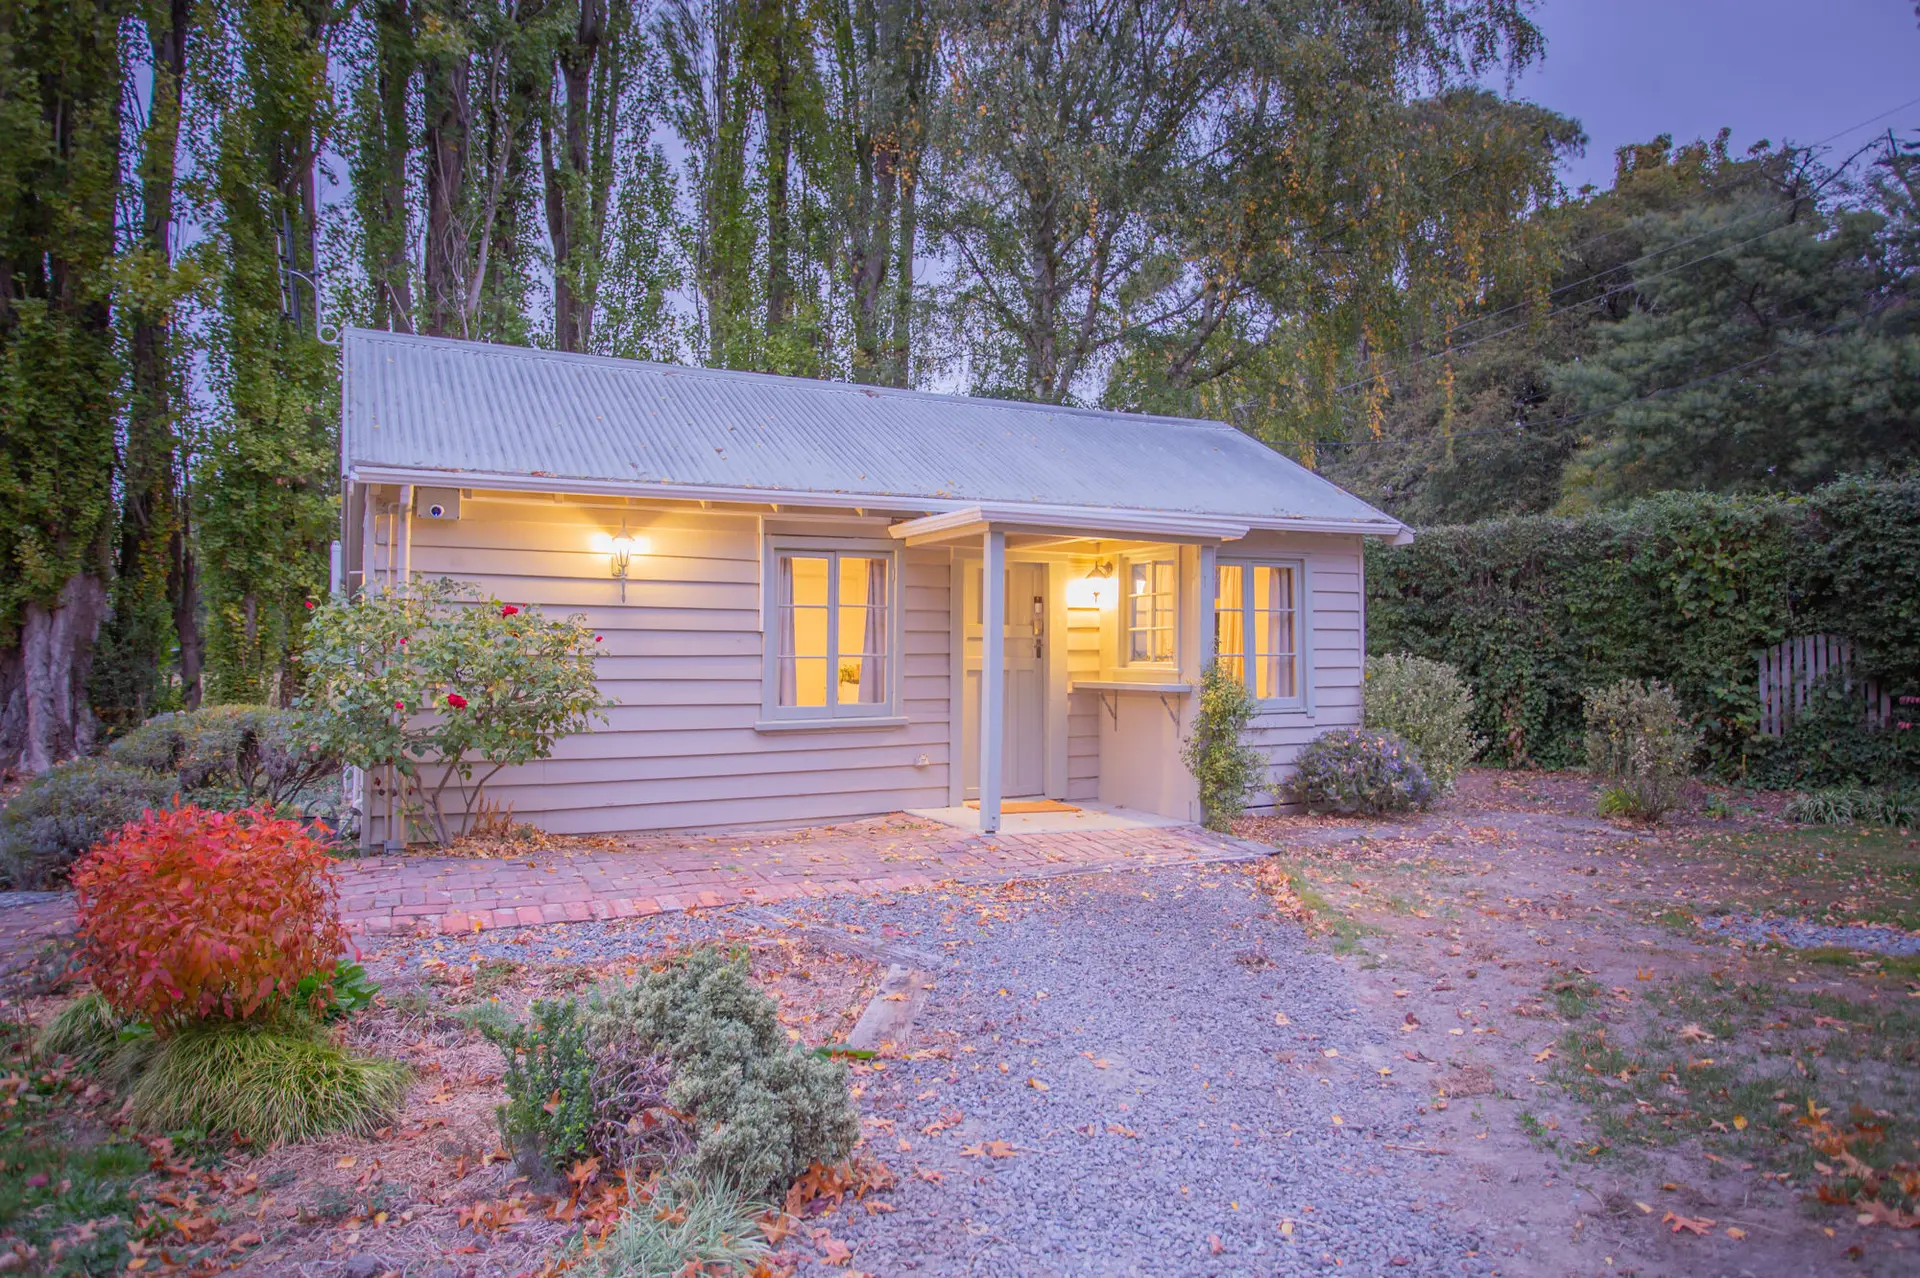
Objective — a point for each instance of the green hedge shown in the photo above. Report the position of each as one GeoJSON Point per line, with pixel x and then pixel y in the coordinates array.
{"type": "Point", "coordinates": [1687, 588]}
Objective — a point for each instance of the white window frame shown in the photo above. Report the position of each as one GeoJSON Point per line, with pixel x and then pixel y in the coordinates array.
{"type": "Point", "coordinates": [884, 713]}
{"type": "Point", "coordinates": [1302, 699]}
{"type": "Point", "coordinates": [1125, 611]}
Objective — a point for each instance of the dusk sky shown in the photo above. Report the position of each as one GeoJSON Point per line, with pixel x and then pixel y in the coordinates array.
{"type": "Point", "coordinates": [1776, 69]}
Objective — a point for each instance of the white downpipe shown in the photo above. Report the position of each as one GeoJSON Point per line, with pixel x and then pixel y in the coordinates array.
{"type": "Point", "coordinates": [399, 572]}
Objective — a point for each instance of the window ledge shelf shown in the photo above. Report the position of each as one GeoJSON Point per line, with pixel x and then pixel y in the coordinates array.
{"type": "Point", "coordinates": [1129, 685]}
{"type": "Point", "coordinates": [831, 725]}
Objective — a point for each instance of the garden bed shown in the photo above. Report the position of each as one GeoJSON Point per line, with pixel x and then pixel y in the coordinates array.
{"type": "Point", "coordinates": [434, 1191]}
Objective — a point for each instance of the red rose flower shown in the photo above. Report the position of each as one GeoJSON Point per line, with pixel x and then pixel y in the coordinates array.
{"type": "Point", "coordinates": [399, 705]}
{"type": "Point", "coordinates": [596, 638]}
{"type": "Point", "coordinates": [508, 611]}
{"type": "Point", "coordinates": [309, 605]}
{"type": "Point", "coordinates": [457, 701]}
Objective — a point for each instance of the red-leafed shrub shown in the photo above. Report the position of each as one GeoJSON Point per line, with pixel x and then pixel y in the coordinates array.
{"type": "Point", "coordinates": [190, 914]}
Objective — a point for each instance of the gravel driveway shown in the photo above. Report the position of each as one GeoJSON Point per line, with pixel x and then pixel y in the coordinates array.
{"type": "Point", "coordinates": [1159, 1051]}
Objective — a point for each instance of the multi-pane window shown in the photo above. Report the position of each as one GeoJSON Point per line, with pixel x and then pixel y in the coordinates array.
{"type": "Point", "coordinates": [833, 619]}
{"type": "Point", "coordinates": [1150, 610]}
{"type": "Point", "coordinates": [1256, 628]}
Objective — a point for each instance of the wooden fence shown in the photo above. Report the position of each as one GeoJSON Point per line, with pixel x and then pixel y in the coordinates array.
{"type": "Point", "coordinates": [1791, 669]}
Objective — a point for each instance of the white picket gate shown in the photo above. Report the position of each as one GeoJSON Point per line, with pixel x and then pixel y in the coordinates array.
{"type": "Point", "coordinates": [1790, 670]}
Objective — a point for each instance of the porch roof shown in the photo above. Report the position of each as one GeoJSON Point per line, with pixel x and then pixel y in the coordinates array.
{"type": "Point", "coordinates": [471, 414]}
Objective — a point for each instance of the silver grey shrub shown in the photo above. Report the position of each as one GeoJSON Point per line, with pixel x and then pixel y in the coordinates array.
{"type": "Point", "coordinates": [763, 1110]}
{"type": "Point", "coordinates": [1429, 706]}
{"type": "Point", "coordinates": [1641, 745]}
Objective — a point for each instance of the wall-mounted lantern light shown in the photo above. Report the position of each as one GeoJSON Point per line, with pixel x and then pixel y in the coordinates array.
{"type": "Point", "coordinates": [620, 550]}
{"type": "Point", "coordinates": [1093, 590]}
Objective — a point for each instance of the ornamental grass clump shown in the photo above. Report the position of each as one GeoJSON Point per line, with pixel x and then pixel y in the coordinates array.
{"type": "Point", "coordinates": [1428, 705]}
{"type": "Point", "coordinates": [1355, 772]}
{"type": "Point", "coordinates": [1854, 805]}
{"type": "Point", "coordinates": [272, 1082]}
{"type": "Point", "coordinates": [1641, 745]}
{"type": "Point", "coordinates": [685, 1226]}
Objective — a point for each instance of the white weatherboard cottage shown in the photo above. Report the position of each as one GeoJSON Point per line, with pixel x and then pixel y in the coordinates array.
{"type": "Point", "coordinates": [810, 569]}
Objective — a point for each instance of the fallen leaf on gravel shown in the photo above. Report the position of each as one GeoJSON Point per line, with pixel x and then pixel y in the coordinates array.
{"type": "Point", "coordinates": [1544, 1054]}
{"type": "Point", "coordinates": [1739, 1122]}
{"type": "Point", "coordinates": [1037, 1085]}
{"type": "Point", "coordinates": [1736, 1233]}
{"type": "Point", "coordinates": [1214, 1245]}
{"type": "Point", "coordinates": [1330, 1051]}
{"type": "Point", "coordinates": [1696, 1225]}
{"type": "Point", "coordinates": [1280, 1018]}
{"type": "Point", "coordinates": [929, 1175]}
{"type": "Point", "coordinates": [832, 1250]}
{"type": "Point", "coordinates": [1116, 1129]}
{"type": "Point", "coordinates": [1692, 1033]}
{"type": "Point", "coordinates": [1338, 1121]}
{"type": "Point", "coordinates": [989, 1149]}
{"type": "Point", "coordinates": [344, 1163]}
{"type": "Point", "coordinates": [1286, 1229]}
{"type": "Point", "coordinates": [1643, 1207]}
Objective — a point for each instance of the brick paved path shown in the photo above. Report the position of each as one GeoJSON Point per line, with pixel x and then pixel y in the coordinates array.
{"type": "Point", "coordinates": [651, 873]}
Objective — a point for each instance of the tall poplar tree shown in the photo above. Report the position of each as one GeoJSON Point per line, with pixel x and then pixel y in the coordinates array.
{"type": "Point", "coordinates": [60, 156]}
{"type": "Point", "coordinates": [264, 474]}
{"type": "Point", "coordinates": [155, 594]}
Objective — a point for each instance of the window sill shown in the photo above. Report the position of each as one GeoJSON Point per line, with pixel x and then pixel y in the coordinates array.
{"type": "Point", "coordinates": [1263, 709]}
{"type": "Point", "coordinates": [849, 724]}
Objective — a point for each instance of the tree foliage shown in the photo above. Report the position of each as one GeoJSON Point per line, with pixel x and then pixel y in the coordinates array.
{"type": "Point", "coordinates": [1310, 218]}
{"type": "Point", "coordinates": [1730, 323]}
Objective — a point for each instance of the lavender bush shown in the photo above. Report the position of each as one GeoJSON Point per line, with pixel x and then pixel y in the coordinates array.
{"type": "Point", "coordinates": [1350, 770]}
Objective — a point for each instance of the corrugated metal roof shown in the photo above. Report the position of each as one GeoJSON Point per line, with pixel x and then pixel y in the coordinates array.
{"type": "Point", "coordinates": [474, 410]}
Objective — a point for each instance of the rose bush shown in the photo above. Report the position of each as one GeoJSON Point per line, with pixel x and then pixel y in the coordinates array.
{"type": "Point", "coordinates": [442, 685]}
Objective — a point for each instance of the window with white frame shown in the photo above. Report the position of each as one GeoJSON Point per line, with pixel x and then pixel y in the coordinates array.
{"type": "Point", "coordinates": [1150, 611]}
{"type": "Point", "coordinates": [1256, 627]}
{"type": "Point", "coordinates": [830, 640]}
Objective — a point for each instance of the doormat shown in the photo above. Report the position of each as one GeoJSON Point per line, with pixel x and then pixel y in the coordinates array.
{"type": "Point", "coordinates": [1016, 806]}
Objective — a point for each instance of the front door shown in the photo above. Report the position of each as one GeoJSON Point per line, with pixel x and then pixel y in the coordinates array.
{"type": "Point", "coordinates": [1023, 756]}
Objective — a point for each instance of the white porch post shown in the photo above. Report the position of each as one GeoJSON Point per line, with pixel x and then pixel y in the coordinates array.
{"type": "Point", "coordinates": [993, 657]}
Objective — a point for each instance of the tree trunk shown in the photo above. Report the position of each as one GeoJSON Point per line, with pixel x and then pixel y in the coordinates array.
{"type": "Point", "coordinates": [777, 107]}
{"type": "Point", "coordinates": [135, 644]}
{"type": "Point", "coordinates": [183, 588]}
{"type": "Point", "coordinates": [446, 143]}
{"type": "Point", "coordinates": [392, 274]}
{"type": "Point", "coordinates": [568, 171]}
{"type": "Point", "coordinates": [55, 661]}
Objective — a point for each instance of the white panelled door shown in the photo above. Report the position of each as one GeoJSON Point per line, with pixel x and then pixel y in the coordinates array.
{"type": "Point", "coordinates": [1023, 768]}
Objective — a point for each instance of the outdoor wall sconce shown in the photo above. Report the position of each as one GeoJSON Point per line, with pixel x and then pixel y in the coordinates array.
{"type": "Point", "coordinates": [1091, 591]}
{"type": "Point", "coordinates": [620, 550]}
